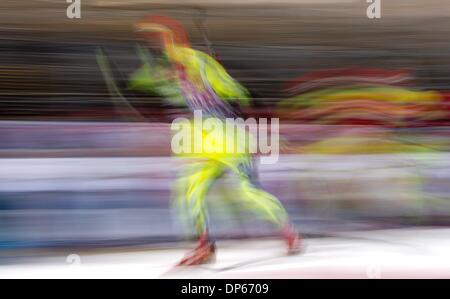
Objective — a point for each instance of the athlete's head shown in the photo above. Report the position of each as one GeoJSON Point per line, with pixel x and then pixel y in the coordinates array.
{"type": "Point", "coordinates": [168, 31]}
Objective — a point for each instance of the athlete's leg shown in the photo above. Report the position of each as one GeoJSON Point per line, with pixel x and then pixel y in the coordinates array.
{"type": "Point", "coordinates": [191, 190]}
{"type": "Point", "coordinates": [265, 205]}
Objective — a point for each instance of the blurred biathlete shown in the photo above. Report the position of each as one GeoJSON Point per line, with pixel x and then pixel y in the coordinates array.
{"type": "Point", "coordinates": [195, 79]}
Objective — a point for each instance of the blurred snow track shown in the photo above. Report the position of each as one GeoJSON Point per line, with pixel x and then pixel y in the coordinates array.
{"type": "Point", "coordinates": [420, 253]}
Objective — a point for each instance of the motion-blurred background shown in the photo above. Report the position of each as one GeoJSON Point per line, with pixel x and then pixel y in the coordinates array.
{"type": "Point", "coordinates": [363, 104]}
